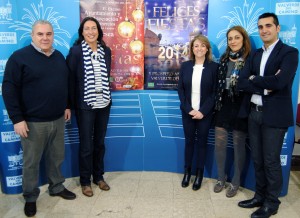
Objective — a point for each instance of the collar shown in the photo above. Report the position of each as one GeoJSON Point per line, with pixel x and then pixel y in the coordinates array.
{"type": "Point", "coordinates": [41, 51]}
{"type": "Point", "coordinates": [270, 48]}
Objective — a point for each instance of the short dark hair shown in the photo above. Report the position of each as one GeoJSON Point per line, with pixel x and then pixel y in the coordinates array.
{"type": "Point", "coordinates": [80, 30]}
{"type": "Point", "coordinates": [275, 18]}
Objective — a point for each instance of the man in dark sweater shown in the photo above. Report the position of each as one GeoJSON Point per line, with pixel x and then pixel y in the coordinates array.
{"type": "Point", "coordinates": [35, 93]}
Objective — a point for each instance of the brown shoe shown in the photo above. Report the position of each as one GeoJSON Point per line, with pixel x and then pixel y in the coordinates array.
{"type": "Point", "coordinates": [231, 191]}
{"type": "Point", "coordinates": [103, 185]}
{"type": "Point", "coordinates": [219, 186]}
{"type": "Point", "coordinates": [87, 190]}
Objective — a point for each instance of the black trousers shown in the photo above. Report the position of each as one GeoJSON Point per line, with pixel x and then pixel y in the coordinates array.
{"type": "Point", "coordinates": [266, 143]}
{"type": "Point", "coordinates": [92, 125]}
{"type": "Point", "coordinates": [196, 133]}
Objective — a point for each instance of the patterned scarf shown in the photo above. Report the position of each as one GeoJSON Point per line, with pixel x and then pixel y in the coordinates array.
{"type": "Point", "coordinates": [89, 76]}
{"type": "Point", "coordinates": [222, 72]}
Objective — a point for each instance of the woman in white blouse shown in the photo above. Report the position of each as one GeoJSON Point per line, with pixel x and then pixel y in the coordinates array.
{"type": "Point", "coordinates": [196, 90]}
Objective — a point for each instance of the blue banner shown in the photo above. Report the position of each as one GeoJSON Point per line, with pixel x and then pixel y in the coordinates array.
{"type": "Point", "coordinates": [16, 19]}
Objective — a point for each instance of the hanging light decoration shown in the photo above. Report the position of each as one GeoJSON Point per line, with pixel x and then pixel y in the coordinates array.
{"type": "Point", "coordinates": [138, 14]}
{"type": "Point", "coordinates": [126, 28]}
{"type": "Point", "coordinates": [136, 46]}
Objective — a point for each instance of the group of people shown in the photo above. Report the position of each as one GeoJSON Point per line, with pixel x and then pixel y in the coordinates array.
{"type": "Point", "coordinates": [248, 95]}
{"type": "Point", "coordinates": [40, 87]}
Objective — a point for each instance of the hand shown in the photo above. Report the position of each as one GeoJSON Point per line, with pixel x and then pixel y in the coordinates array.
{"type": "Point", "coordinates": [21, 129]}
{"type": "Point", "coordinates": [67, 114]}
{"type": "Point", "coordinates": [197, 115]}
{"type": "Point", "coordinates": [251, 77]}
{"type": "Point", "coordinates": [193, 112]}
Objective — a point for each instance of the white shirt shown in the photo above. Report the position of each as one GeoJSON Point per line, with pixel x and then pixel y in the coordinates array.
{"type": "Point", "coordinates": [196, 86]}
{"type": "Point", "coordinates": [98, 84]}
{"type": "Point", "coordinates": [257, 99]}
{"type": "Point", "coordinates": [40, 50]}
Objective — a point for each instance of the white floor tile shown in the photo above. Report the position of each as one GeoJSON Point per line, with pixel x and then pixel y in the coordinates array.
{"type": "Point", "coordinates": [148, 195]}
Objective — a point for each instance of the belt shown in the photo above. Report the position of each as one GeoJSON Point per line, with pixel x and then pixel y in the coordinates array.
{"type": "Point", "coordinates": [256, 107]}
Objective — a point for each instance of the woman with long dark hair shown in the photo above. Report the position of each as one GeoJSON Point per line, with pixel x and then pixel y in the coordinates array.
{"type": "Point", "coordinates": [228, 103]}
{"type": "Point", "coordinates": [89, 61]}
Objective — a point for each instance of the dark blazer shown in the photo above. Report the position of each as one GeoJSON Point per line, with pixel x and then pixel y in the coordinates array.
{"type": "Point", "coordinates": [76, 66]}
{"type": "Point", "coordinates": [277, 105]}
{"type": "Point", "coordinates": [208, 86]}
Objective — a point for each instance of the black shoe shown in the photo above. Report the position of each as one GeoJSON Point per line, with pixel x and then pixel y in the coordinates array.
{"type": "Point", "coordinates": [65, 194]}
{"type": "Point", "coordinates": [264, 212]}
{"type": "Point", "coordinates": [30, 209]}
{"type": "Point", "coordinates": [186, 178]}
{"type": "Point", "coordinates": [251, 203]}
{"type": "Point", "coordinates": [198, 180]}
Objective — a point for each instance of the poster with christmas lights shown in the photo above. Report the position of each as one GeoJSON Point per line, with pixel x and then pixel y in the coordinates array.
{"type": "Point", "coordinates": [169, 26]}
{"type": "Point", "coordinates": [122, 22]}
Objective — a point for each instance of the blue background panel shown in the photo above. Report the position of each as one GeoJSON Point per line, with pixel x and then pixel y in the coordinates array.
{"type": "Point", "coordinates": [126, 120]}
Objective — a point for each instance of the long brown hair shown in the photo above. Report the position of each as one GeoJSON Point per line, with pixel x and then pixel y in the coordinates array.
{"type": "Point", "coordinates": [246, 41]}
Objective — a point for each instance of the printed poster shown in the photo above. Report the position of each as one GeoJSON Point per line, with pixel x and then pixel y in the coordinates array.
{"type": "Point", "coordinates": [169, 26]}
{"type": "Point", "coordinates": [122, 22]}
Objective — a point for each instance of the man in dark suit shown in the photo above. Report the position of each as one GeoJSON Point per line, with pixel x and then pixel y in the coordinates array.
{"type": "Point", "coordinates": [267, 78]}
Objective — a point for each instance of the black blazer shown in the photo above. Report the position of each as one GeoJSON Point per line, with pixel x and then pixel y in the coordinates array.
{"type": "Point", "coordinates": [207, 86]}
{"type": "Point", "coordinates": [277, 105]}
{"type": "Point", "coordinates": [76, 66]}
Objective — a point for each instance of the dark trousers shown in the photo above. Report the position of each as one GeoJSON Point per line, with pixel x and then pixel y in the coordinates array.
{"type": "Point", "coordinates": [92, 125]}
{"type": "Point", "coordinates": [196, 133]}
{"type": "Point", "coordinates": [266, 143]}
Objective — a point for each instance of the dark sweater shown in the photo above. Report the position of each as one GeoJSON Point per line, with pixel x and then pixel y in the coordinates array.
{"type": "Point", "coordinates": [35, 86]}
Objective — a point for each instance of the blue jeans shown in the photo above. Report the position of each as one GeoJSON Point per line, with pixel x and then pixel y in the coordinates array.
{"type": "Point", "coordinates": [92, 125]}
{"type": "Point", "coordinates": [44, 138]}
{"type": "Point", "coordinates": [266, 143]}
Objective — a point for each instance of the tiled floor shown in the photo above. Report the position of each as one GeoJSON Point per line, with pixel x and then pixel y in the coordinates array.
{"type": "Point", "coordinates": [148, 194]}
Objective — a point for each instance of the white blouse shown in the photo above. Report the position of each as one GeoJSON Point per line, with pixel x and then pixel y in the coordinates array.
{"type": "Point", "coordinates": [196, 83]}
{"type": "Point", "coordinates": [98, 84]}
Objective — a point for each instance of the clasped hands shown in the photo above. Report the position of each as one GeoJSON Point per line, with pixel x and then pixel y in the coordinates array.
{"type": "Point", "coordinates": [196, 114]}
